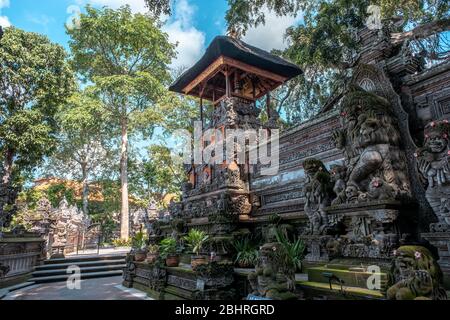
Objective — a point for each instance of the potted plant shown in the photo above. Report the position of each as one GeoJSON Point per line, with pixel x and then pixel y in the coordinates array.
{"type": "Point", "coordinates": [246, 253]}
{"type": "Point", "coordinates": [168, 251]}
{"type": "Point", "coordinates": [139, 245]}
{"type": "Point", "coordinates": [195, 240]}
{"type": "Point", "coordinates": [295, 251]}
{"type": "Point", "coordinates": [152, 253]}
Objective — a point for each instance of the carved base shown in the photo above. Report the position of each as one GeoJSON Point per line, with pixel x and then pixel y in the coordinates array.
{"type": "Point", "coordinates": [370, 230]}
{"type": "Point", "coordinates": [441, 241]}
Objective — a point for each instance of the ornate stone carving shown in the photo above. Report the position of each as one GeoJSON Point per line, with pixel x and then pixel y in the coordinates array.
{"type": "Point", "coordinates": [415, 275]}
{"type": "Point", "coordinates": [3, 270]}
{"type": "Point", "coordinates": [376, 166]}
{"type": "Point", "coordinates": [433, 165]}
{"type": "Point", "coordinates": [272, 279]}
{"type": "Point", "coordinates": [318, 189]}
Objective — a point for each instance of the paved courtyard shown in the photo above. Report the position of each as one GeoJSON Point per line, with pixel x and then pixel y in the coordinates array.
{"type": "Point", "coordinates": [91, 289]}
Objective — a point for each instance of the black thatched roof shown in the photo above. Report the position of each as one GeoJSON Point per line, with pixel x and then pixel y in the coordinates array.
{"type": "Point", "coordinates": [241, 51]}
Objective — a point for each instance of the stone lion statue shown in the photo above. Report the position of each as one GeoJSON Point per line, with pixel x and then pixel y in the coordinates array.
{"type": "Point", "coordinates": [371, 143]}
{"type": "Point", "coordinates": [415, 275]}
{"type": "Point", "coordinates": [271, 279]}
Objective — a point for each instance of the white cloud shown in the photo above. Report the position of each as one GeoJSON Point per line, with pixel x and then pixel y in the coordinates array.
{"type": "Point", "coordinates": [191, 41]}
{"type": "Point", "coordinates": [179, 27]}
{"type": "Point", "coordinates": [270, 35]}
{"type": "Point", "coordinates": [4, 21]}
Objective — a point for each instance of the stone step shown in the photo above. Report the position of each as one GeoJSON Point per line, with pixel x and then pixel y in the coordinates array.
{"type": "Point", "coordinates": [89, 269]}
{"type": "Point", "coordinates": [84, 258]}
{"type": "Point", "coordinates": [5, 291]}
{"type": "Point", "coordinates": [90, 275]}
{"type": "Point", "coordinates": [317, 289]}
{"type": "Point", "coordinates": [352, 278]}
{"type": "Point", "coordinates": [81, 264]}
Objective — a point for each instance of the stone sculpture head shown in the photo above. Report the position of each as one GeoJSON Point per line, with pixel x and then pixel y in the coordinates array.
{"type": "Point", "coordinates": [352, 193]}
{"type": "Point", "coordinates": [415, 274]}
{"type": "Point", "coordinates": [437, 136]}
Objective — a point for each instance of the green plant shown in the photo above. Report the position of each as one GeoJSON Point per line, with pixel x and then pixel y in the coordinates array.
{"type": "Point", "coordinates": [139, 241]}
{"type": "Point", "coordinates": [121, 243]}
{"type": "Point", "coordinates": [168, 247]}
{"type": "Point", "coordinates": [153, 249]}
{"type": "Point", "coordinates": [294, 252]}
{"type": "Point", "coordinates": [195, 240]}
{"type": "Point", "coordinates": [246, 252]}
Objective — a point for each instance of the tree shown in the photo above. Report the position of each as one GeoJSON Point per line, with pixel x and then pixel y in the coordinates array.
{"type": "Point", "coordinates": [127, 56]}
{"type": "Point", "coordinates": [84, 146]}
{"type": "Point", "coordinates": [159, 175]}
{"type": "Point", "coordinates": [35, 78]}
{"type": "Point", "coordinates": [325, 36]}
{"type": "Point", "coordinates": [321, 42]}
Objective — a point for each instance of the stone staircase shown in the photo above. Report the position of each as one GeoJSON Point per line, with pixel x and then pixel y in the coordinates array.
{"type": "Point", "coordinates": [57, 270]}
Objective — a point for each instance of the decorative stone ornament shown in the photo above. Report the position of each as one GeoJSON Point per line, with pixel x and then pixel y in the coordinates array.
{"type": "Point", "coordinates": [433, 165]}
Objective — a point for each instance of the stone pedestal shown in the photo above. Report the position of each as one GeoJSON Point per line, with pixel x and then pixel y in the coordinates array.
{"type": "Point", "coordinates": [441, 241]}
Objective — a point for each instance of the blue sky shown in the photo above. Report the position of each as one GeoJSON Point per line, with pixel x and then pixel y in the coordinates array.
{"type": "Point", "coordinates": [193, 25]}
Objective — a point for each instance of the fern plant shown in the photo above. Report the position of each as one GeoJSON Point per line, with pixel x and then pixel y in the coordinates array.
{"type": "Point", "coordinates": [294, 251]}
{"type": "Point", "coordinates": [246, 252]}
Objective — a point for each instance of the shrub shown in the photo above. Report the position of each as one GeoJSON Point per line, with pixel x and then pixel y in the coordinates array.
{"type": "Point", "coordinates": [168, 247]}
{"type": "Point", "coordinates": [195, 240]}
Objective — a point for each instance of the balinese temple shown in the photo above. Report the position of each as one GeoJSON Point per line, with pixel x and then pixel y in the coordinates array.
{"type": "Point", "coordinates": [232, 75]}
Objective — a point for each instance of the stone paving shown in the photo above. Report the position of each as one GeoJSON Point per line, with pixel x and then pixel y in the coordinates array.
{"type": "Point", "coordinates": [91, 289]}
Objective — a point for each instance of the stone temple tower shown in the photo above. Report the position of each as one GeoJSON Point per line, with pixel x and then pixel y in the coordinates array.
{"type": "Point", "coordinates": [232, 77]}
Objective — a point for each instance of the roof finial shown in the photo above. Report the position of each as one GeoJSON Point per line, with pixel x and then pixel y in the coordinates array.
{"type": "Point", "coordinates": [234, 33]}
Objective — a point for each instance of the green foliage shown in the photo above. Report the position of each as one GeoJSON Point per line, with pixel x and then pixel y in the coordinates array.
{"type": "Point", "coordinates": [321, 40]}
{"type": "Point", "coordinates": [57, 192]}
{"type": "Point", "coordinates": [153, 249]}
{"type": "Point", "coordinates": [157, 176]}
{"type": "Point", "coordinates": [195, 240]}
{"type": "Point", "coordinates": [246, 252]}
{"type": "Point", "coordinates": [31, 197]}
{"type": "Point", "coordinates": [120, 243]}
{"type": "Point", "coordinates": [139, 241]}
{"type": "Point", "coordinates": [294, 252]}
{"type": "Point", "coordinates": [168, 246]}
{"type": "Point", "coordinates": [127, 57]}
{"type": "Point", "coordinates": [35, 80]}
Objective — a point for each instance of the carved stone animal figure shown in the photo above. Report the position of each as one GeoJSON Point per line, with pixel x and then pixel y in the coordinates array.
{"type": "Point", "coordinates": [339, 175]}
{"type": "Point", "coordinates": [270, 279]}
{"type": "Point", "coordinates": [380, 190]}
{"type": "Point", "coordinates": [415, 275]}
{"type": "Point", "coordinates": [371, 143]}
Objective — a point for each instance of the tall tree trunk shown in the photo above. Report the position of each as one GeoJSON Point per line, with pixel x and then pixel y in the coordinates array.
{"type": "Point", "coordinates": [7, 167]}
{"type": "Point", "coordinates": [125, 220]}
{"type": "Point", "coordinates": [85, 188]}
{"type": "Point", "coordinates": [5, 185]}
